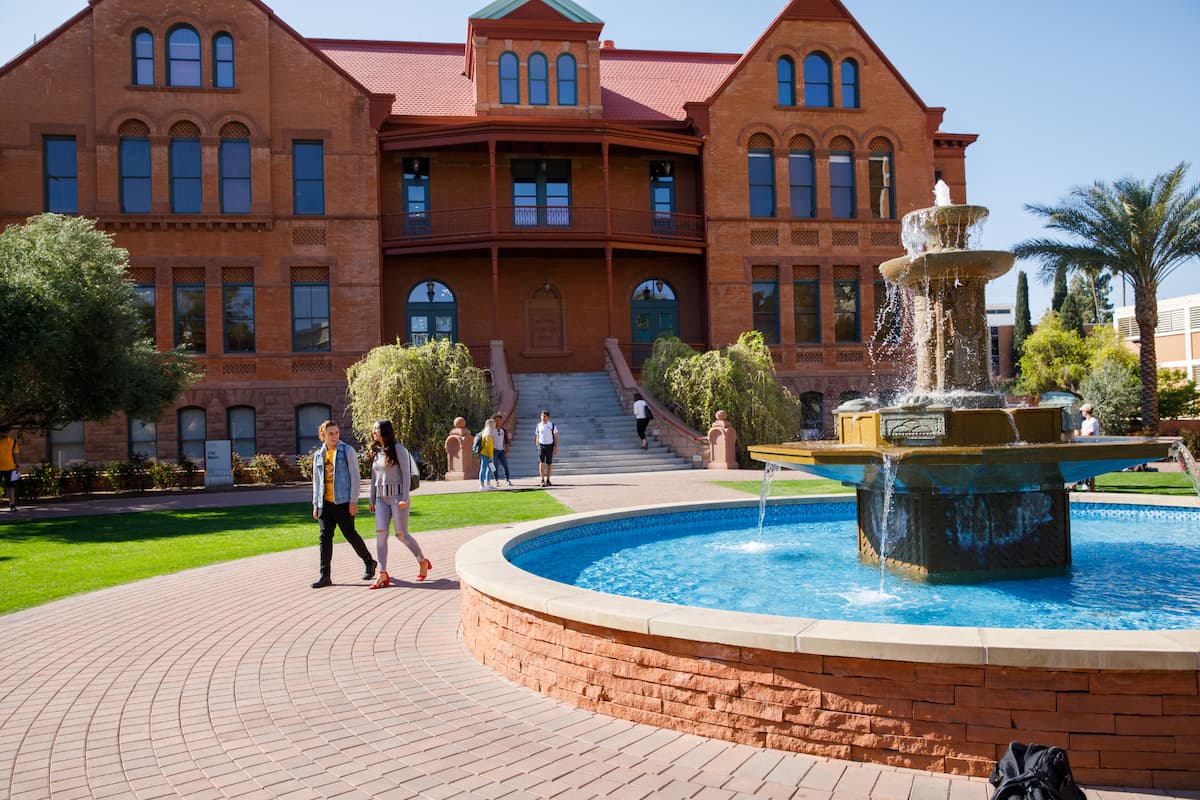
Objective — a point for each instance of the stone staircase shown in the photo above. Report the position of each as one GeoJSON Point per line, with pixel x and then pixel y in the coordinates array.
{"type": "Point", "coordinates": [595, 434]}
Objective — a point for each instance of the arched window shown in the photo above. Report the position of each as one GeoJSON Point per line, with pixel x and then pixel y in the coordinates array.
{"type": "Point", "coordinates": [785, 79]}
{"type": "Point", "coordinates": [223, 61]}
{"type": "Point", "coordinates": [841, 178]}
{"type": "Point", "coordinates": [539, 80]}
{"type": "Point", "coordinates": [510, 79]}
{"type": "Point", "coordinates": [241, 430]}
{"type": "Point", "coordinates": [186, 171]}
{"type": "Point", "coordinates": [134, 158]}
{"type": "Point", "coordinates": [849, 83]}
{"type": "Point", "coordinates": [432, 313]}
{"type": "Point", "coordinates": [802, 184]}
{"type": "Point", "coordinates": [183, 57]}
{"type": "Point", "coordinates": [308, 421]}
{"type": "Point", "coordinates": [760, 167]}
{"type": "Point", "coordinates": [235, 168]}
{"type": "Point", "coordinates": [818, 92]}
{"type": "Point", "coordinates": [143, 58]}
{"type": "Point", "coordinates": [568, 90]}
{"type": "Point", "coordinates": [654, 313]}
{"type": "Point", "coordinates": [193, 430]}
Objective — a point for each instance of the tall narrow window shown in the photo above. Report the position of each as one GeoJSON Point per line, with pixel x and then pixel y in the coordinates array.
{"type": "Point", "coordinates": [539, 80]}
{"type": "Point", "coordinates": [785, 81]}
{"type": "Point", "coordinates": [143, 58]}
{"type": "Point", "coordinates": [568, 89]}
{"type": "Point", "coordinates": [760, 165]}
{"type": "Point", "coordinates": [845, 311]}
{"type": "Point", "coordinates": [235, 169]}
{"type": "Point", "coordinates": [143, 439]}
{"type": "Point", "coordinates": [183, 57]}
{"type": "Point", "coordinates": [841, 185]}
{"type": "Point", "coordinates": [416, 196]}
{"type": "Point", "coordinates": [541, 192]}
{"type": "Point", "coordinates": [223, 61]}
{"type": "Point", "coordinates": [510, 79]}
{"type": "Point", "coordinates": [193, 430]}
{"type": "Point", "coordinates": [67, 444]}
{"type": "Point", "coordinates": [61, 174]}
{"type": "Point", "coordinates": [849, 83]}
{"type": "Point", "coordinates": [764, 300]}
{"type": "Point", "coordinates": [879, 167]}
{"type": "Point", "coordinates": [189, 317]}
{"type": "Point", "coordinates": [240, 425]}
{"type": "Point", "coordinates": [662, 196]}
{"type": "Point", "coordinates": [308, 421]}
{"type": "Point", "coordinates": [806, 311]}
{"type": "Point", "coordinates": [818, 89]}
{"type": "Point", "coordinates": [237, 310]}
{"type": "Point", "coordinates": [802, 184]}
{"type": "Point", "coordinates": [310, 316]}
{"type": "Point", "coordinates": [135, 174]}
{"type": "Point", "coordinates": [308, 177]}
{"type": "Point", "coordinates": [145, 293]}
{"type": "Point", "coordinates": [186, 169]}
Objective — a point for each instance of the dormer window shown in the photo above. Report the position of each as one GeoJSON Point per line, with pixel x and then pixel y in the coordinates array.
{"type": "Point", "coordinates": [539, 80]}
{"type": "Point", "coordinates": [568, 91]}
{"type": "Point", "coordinates": [183, 57]}
{"type": "Point", "coordinates": [510, 79]}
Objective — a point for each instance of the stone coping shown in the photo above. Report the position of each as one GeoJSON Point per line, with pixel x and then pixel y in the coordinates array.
{"type": "Point", "coordinates": [482, 565]}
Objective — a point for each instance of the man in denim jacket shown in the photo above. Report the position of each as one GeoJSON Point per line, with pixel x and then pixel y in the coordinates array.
{"type": "Point", "coordinates": [335, 499]}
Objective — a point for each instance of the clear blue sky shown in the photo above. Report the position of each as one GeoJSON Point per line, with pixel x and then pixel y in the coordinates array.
{"type": "Point", "coordinates": [1061, 92]}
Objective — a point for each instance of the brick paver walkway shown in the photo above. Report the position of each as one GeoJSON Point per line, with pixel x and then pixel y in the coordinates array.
{"type": "Point", "coordinates": [238, 681]}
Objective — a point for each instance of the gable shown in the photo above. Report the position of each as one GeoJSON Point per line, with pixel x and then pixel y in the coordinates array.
{"type": "Point", "coordinates": [541, 10]}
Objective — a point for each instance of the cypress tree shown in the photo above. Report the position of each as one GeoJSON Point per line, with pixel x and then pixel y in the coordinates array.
{"type": "Point", "coordinates": [1072, 319]}
{"type": "Point", "coordinates": [1060, 287]}
{"type": "Point", "coordinates": [1023, 324]}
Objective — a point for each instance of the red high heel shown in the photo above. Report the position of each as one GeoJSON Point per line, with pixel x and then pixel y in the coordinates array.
{"type": "Point", "coordinates": [426, 565]}
{"type": "Point", "coordinates": [384, 580]}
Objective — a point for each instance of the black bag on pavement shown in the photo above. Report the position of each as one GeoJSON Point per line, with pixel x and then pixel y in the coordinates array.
{"type": "Point", "coordinates": [1034, 772]}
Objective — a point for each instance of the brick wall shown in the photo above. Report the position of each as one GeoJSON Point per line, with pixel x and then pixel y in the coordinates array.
{"type": "Point", "coordinates": [1121, 728]}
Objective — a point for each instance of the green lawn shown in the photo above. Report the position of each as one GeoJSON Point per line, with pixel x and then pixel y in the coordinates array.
{"type": "Point", "coordinates": [44, 561]}
{"type": "Point", "coordinates": [789, 488]}
{"type": "Point", "coordinates": [1145, 483]}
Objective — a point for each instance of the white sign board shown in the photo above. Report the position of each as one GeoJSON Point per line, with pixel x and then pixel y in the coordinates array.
{"type": "Point", "coordinates": [218, 464]}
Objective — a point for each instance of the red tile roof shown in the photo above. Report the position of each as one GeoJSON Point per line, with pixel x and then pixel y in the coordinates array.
{"type": "Point", "coordinates": [427, 78]}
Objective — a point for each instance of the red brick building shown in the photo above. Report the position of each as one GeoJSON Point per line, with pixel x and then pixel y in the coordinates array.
{"type": "Point", "coordinates": [289, 203]}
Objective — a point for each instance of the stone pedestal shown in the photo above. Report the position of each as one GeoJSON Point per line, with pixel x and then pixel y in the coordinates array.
{"type": "Point", "coordinates": [951, 538]}
{"type": "Point", "coordinates": [461, 463]}
{"type": "Point", "coordinates": [722, 443]}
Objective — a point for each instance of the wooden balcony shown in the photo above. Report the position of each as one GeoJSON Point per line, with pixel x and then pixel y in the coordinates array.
{"type": "Point", "coordinates": [529, 224]}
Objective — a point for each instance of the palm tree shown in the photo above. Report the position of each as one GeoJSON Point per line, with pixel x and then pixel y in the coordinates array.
{"type": "Point", "coordinates": [1138, 231]}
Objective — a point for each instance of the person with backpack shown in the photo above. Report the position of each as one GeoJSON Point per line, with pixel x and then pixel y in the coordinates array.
{"type": "Point", "coordinates": [500, 446]}
{"type": "Point", "coordinates": [391, 483]}
{"type": "Point", "coordinates": [546, 435]}
{"type": "Point", "coordinates": [642, 415]}
{"type": "Point", "coordinates": [484, 446]}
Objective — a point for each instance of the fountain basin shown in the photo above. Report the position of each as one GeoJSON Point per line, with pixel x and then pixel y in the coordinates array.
{"type": "Point", "coordinates": [946, 699]}
{"type": "Point", "coordinates": [947, 265]}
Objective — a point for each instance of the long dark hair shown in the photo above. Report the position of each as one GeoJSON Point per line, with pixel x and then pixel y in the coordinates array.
{"type": "Point", "coordinates": [388, 434]}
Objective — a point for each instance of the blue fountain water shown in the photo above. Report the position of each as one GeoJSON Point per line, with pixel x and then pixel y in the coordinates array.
{"type": "Point", "coordinates": [1133, 568]}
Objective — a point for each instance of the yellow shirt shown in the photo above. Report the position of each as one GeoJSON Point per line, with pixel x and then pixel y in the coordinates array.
{"type": "Point", "coordinates": [329, 456]}
{"type": "Point", "coordinates": [8, 453]}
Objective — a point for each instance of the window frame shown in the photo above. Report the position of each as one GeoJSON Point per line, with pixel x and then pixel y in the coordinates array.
{"type": "Point", "coordinates": [300, 438]}
{"type": "Point", "coordinates": [141, 37]}
{"type": "Point", "coordinates": [837, 189]}
{"type": "Point", "coordinates": [540, 97]}
{"type": "Point", "coordinates": [757, 155]}
{"type": "Point", "coordinates": [850, 88]}
{"type": "Point", "coordinates": [130, 441]}
{"type": "Point", "coordinates": [309, 207]}
{"type": "Point", "coordinates": [771, 336]}
{"type": "Point", "coordinates": [796, 188]}
{"type": "Point", "coordinates": [550, 176]}
{"type": "Point", "coordinates": [227, 181]}
{"type": "Point", "coordinates": [200, 319]}
{"type": "Point", "coordinates": [177, 160]}
{"type": "Point", "coordinates": [76, 445]}
{"type": "Point", "coordinates": [233, 440]}
{"type": "Point", "coordinates": [814, 313]}
{"type": "Point", "coordinates": [812, 85]}
{"type": "Point", "coordinates": [175, 62]}
{"type": "Point", "coordinates": [228, 320]}
{"type": "Point", "coordinates": [125, 165]}
{"type": "Point", "coordinates": [415, 175]}
{"type": "Point", "coordinates": [182, 452]}
{"type": "Point", "coordinates": [840, 314]}
{"type": "Point", "coordinates": [562, 80]}
{"type": "Point", "coordinates": [328, 317]}
{"type": "Point", "coordinates": [150, 320]}
{"type": "Point", "coordinates": [56, 181]}
{"type": "Point", "coordinates": [888, 185]}
{"type": "Point", "coordinates": [510, 85]}
{"type": "Point", "coordinates": [418, 304]}
{"type": "Point", "coordinates": [785, 86]}
{"type": "Point", "coordinates": [219, 62]}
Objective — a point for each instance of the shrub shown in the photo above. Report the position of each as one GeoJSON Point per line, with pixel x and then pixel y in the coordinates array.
{"type": "Point", "coordinates": [164, 475]}
{"type": "Point", "coordinates": [44, 480]}
{"type": "Point", "coordinates": [1115, 392]}
{"type": "Point", "coordinates": [189, 470]}
{"type": "Point", "coordinates": [83, 476]}
{"type": "Point", "coordinates": [421, 390]}
{"type": "Point", "coordinates": [305, 465]}
{"type": "Point", "coordinates": [266, 468]}
{"type": "Point", "coordinates": [120, 475]}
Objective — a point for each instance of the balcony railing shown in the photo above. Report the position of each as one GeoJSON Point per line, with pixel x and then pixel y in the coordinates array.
{"type": "Point", "coordinates": [464, 224]}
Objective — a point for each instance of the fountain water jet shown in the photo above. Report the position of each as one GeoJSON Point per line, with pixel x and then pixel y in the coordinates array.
{"type": "Point", "coordinates": [972, 489]}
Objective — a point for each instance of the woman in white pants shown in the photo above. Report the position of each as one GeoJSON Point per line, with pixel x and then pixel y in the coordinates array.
{"type": "Point", "coordinates": [391, 471]}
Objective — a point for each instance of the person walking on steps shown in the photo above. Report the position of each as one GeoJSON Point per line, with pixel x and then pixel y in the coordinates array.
{"type": "Point", "coordinates": [642, 415]}
{"type": "Point", "coordinates": [500, 448]}
{"type": "Point", "coordinates": [546, 435]}
{"type": "Point", "coordinates": [391, 476]}
{"type": "Point", "coordinates": [335, 499]}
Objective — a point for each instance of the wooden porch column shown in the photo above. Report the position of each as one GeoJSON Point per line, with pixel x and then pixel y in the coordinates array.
{"type": "Point", "coordinates": [608, 277]}
{"type": "Point", "coordinates": [495, 288]}
{"type": "Point", "coordinates": [492, 183]}
{"type": "Point", "coordinates": [607, 194]}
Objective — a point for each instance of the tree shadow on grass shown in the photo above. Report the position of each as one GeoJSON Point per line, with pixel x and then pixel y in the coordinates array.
{"type": "Point", "coordinates": [153, 525]}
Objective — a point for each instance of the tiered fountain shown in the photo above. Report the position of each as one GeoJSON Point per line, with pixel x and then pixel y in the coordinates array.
{"type": "Point", "coordinates": [952, 485]}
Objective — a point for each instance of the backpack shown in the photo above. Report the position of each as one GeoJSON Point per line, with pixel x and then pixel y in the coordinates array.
{"type": "Point", "coordinates": [1034, 772]}
{"type": "Point", "coordinates": [478, 443]}
{"type": "Point", "coordinates": [414, 477]}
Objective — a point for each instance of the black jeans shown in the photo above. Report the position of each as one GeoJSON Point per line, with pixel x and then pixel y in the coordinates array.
{"type": "Point", "coordinates": [338, 515]}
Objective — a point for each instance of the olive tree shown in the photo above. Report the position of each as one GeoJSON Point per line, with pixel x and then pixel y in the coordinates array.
{"type": "Point", "coordinates": [74, 343]}
{"type": "Point", "coordinates": [421, 389]}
